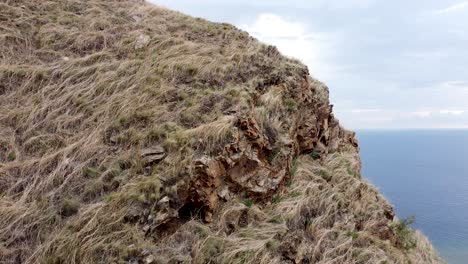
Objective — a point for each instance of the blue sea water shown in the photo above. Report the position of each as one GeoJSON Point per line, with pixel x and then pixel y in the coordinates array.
{"type": "Point", "coordinates": [424, 173]}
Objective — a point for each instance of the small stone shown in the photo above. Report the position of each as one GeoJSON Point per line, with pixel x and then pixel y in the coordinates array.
{"type": "Point", "coordinates": [224, 194]}
{"type": "Point", "coordinates": [161, 217]}
{"type": "Point", "coordinates": [162, 178]}
{"type": "Point", "coordinates": [132, 215]}
{"type": "Point", "coordinates": [149, 259]}
{"type": "Point", "coordinates": [208, 218]}
{"type": "Point", "coordinates": [145, 252]}
{"type": "Point", "coordinates": [142, 41]}
{"type": "Point", "coordinates": [164, 200]}
{"type": "Point", "coordinates": [136, 18]}
{"type": "Point", "coordinates": [261, 183]}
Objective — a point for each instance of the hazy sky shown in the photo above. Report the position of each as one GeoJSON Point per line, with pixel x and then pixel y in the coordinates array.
{"type": "Point", "coordinates": [388, 64]}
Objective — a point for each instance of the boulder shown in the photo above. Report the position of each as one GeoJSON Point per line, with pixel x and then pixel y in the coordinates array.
{"type": "Point", "coordinates": [151, 156]}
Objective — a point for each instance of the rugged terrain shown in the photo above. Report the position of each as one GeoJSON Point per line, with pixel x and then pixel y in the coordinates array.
{"type": "Point", "coordinates": [134, 134]}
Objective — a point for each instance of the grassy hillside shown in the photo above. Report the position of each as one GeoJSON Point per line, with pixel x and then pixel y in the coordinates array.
{"type": "Point", "coordinates": [134, 134]}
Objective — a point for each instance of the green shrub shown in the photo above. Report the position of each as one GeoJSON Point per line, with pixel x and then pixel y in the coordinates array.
{"type": "Point", "coordinates": [404, 233]}
{"type": "Point", "coordinates": [291, 104]}
{"type": "Point", "coordinates": [352, 234]}
{"type": "Point", "coordinates": [11, 156]}
{"type": "Point", "coordinates": [248, 202]}
{"type": "Point", "coordinates": [314, 155]}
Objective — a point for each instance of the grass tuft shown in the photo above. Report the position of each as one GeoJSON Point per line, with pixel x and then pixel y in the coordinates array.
{"type": "Point", "coordinates": [69, 207]}
{"type": "Point", "coordinates": [352, 234]}
{"type": "Point", "coordinates": [249, 202]}
{"type": "Point", "coordinates": [11, 156]}
{"type": "Point", "coordinates": [291, 104]}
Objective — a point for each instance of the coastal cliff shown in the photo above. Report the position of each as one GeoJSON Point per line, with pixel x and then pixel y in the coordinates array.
{"type": "Point", "coordinates": [130, 133]}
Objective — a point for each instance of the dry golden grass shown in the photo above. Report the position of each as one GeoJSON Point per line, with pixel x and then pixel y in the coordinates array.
{"type": "Point", "coordinates": [85, 85]}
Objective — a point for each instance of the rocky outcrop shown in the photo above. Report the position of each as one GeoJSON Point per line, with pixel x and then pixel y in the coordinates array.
{"type": "Point", "coordinates": [259, 160]}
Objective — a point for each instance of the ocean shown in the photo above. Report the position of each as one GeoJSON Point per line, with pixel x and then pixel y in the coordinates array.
{"type": "Point", "coordinates": [423, 173]}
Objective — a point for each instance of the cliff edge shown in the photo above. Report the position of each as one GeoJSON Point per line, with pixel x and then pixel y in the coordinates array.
{"type": "Point", "coordinates": [134, 134]}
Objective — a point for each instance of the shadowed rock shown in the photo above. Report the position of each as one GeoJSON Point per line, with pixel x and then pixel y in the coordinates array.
{"type": "Point", "coordinates": [151, 156]}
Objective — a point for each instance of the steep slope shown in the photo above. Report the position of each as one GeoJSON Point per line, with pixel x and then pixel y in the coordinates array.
{"type": "Point", "coordinates": [133, 134]}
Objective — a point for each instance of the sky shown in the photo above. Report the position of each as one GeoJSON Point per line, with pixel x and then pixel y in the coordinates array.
{"type": "Point", "coordinates": [388, 64]}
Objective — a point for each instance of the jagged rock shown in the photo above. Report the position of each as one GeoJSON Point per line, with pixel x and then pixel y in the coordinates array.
{"type": "Point", "coordinates": [149, 259]}
{"type": "Point", "coordinates": [133, 215]}
{"type": "Point", "coordinates": [203, 189]}
{"type": "Point", "coordinates": [252, 132]}
{"type": "Point", "coordinates": [307, 133]}
{"type": "Point", "coordinates": [151, 156]}
{"type": "Point", "coordinates": [224, 194]}
{"type": "Point", "coordinates": [161, 218]}
{"type": "Point", "coordinates": [164, 200]}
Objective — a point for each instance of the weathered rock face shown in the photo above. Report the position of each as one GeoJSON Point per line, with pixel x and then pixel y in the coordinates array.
{"type": "Point", "coordinates": [203, 190]}
{"type": "Point", "coordinates": [258, 160]}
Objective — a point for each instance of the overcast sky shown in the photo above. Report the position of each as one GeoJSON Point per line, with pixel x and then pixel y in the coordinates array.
{"type": "Point", "coordinates": [388, 64]}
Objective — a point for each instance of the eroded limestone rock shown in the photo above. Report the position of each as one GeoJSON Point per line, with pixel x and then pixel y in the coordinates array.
{"type": "Point", "coordinates": [151, 156]}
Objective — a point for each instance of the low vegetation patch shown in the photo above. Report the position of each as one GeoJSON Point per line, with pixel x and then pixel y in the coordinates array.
{"type": "Point", "coordinates": [404, 232]}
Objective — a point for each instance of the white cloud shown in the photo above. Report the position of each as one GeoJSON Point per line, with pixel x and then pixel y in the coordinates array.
{"type": "Point", "coordinates": [364, 110]}
{"type": "Point", "coordinates": [453, 8]}
{"type": "Point", "coordinates": [338, 4]}
{"type": "Point", "coordinates": [452, 112]}
{"type": "Point", "coordinates": [421, 114]}
{"type": "Point", "coordinates": [274, 26]}
{"type": "Point", "coordinates": [428, 113]}
{"type": "Point", "coordinates": [294, 39]}
{"type": "Point", "coordinates": [455, 86]}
